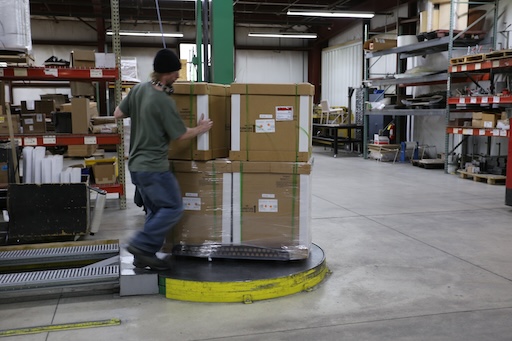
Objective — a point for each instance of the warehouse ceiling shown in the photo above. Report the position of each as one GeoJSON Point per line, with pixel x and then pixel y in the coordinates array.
{"type": "Point", "coordinates": [271, 13]}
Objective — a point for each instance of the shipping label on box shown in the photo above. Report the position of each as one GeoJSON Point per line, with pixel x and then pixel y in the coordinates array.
{"type": "Point", "coordinates": [271, 122]}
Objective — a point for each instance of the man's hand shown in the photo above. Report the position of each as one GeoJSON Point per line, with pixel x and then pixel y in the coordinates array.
{"type": "Point", "coordinates": [204, 125]}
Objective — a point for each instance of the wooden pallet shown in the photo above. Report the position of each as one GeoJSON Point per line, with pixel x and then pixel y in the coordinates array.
{"type": "Point", "coordinates": [498, 55]}
{"type": "Point", "coordinates": [489, 178]}
{"type": "Point", "coordinates": [21, 59]}
{"type": "Point", "coordinates": [473, 58]}
{"type": "Point", "coordinates": [429, 163]}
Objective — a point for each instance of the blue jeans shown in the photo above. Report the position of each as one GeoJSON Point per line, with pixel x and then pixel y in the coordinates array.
{"type": "Point", "coordinates": [162, 198]}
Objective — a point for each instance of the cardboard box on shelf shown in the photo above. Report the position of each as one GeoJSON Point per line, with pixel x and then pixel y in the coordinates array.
{"type": "Point", "coordinates": [85, 150]}
{"type": "Point", "coordinates": [104, 172]}
{"type": "Point", "coordinates": [83, 58]}
{"type": "Point", "coordinates": [483, 120]}
{"type": "Point", "coordinates": [33, 123]}
{"type": "Point", "coordinates": [212, 100]}
{"type": "Point", "coordinates": [206, 191]}
{"type": "Point", "coordinates": [58, 99]}
{"type": "Point", "coordinates": [4, 124]}
{"type": "Point", "coordinates": [378, 44]}
{"type": "Point", "coordinates": [271, 206]}
{"type": "Point", "coordinates": [85, 89]}
{"type": "Point", "coordinates": [459, 122]}
{"type": "Point", "coordinates": [271, 122]}
{"type": "Point", "coordinates": [82, 110]}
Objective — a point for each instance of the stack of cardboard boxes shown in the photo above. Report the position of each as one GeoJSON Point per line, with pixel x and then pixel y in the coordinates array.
{"type": "Point", "coordinates": [258, 199]}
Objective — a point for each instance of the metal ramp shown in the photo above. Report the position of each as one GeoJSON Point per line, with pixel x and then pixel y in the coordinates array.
{"type": "Point", "coordinates": [56, 269]}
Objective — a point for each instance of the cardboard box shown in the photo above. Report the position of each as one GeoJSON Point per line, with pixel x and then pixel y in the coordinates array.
{"type": "Point", "coordinates": [79, 89]}
{"type": "Point", "coordinates": [459, 122]}
{"type": "Point", "coordinates": [4, 126]}
{"type": "Point", "coordinates": [83, 58]}
{"type": "Point", "coordinates": [85, 150]}
{"type": "Point", "coordinates": [82, 110]}
{"type": "Point", "coordinates": [33, 123]}
{"type": "Point", "coordinates": [378, 44]}
{"type": "Point", "coordinates": [272, 206]}
{"type": "Point", "coordinates": [212, 100]}
{"type": "Point", "coordinates": [461, 18]}
{"type": "Point", "coordinates": [483, 120]}
{"type": "Point", "coordinates": [271, 122]}
{"type": "Point", "coordinates": [206, 191]}
{"type": "Point", "coordinates": [58, 99]}
{"type": "Point", "coordinates": [104, 172]}
{"type": "Point", "coordinates": [45, 107]}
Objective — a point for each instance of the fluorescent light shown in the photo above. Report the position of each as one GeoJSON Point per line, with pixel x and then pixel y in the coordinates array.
{"type": "Point", "coordinates": [284, 35]}
{"type": "Point", "coordinates": [332, 14]}
{"type": "Point", "coordinates": [147, 34]}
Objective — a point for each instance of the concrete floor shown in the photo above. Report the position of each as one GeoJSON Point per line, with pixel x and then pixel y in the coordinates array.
{"type": "Point", "coordinates": [415, 254]}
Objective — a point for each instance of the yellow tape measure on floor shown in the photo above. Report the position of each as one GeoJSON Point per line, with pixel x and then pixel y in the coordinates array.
{"type": "Point", "coordinates": [60, 327]}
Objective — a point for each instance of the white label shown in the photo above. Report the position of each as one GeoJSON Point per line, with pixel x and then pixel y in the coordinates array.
{"type": "Point", "coordinates": [51, 72]}
{"type": "Point", "coordinates": [39, 117]}
{"type": "Point", "coordinates": [488, 124]}
{"type": "Point", "coordinates": [463, 68]}
{"type": "Point", "coordinates": [454, 69]}
{"type": "Point", "coordinates": [192, 195]}
{"type": "Point", "coordinates": [495, 132]}
{"type": "Point", "coordinates": [481, 132]}
{"type": "Point", "coordinates": [96, 73]}
{"type": "Point", "coordinates": [284, 113]}
{"type": "Point", "coordinates": [462, 100]}
{"type": "Point", "coordinates": [19, 141]}
{"type": "Point", "coordinates": [267, 205]}
{"type": "Point", "coordinates": [503, 133]}
{"type": "Point", "coordinates": [495, 63]}
{"type": "Point", "coordinates": [30, 141]}
{"type": "Point", "coordinates": [467, 131]}
{"type": "Point", "coordinates": [478, 66]}
{"type": "Point", "coordinates": [29, 121]}
{"type": "Point", "coordinates": [90, 140]}
{"type": "Point", "coordinates": [268, 196]}
{"type": "Point", "coordinates": [192, 204]}
{"type": "Point", "coordinates": [1, 72]}
{"type": "Point", "coordinates": [265, 126]}
{"type": "Point", "coordinates": [21, 72]}
{"type": "Point", "coordinates": [472, 100]}
{"type": "Point", "coordinates": [49, 140]}
{"type": "Point", "coordinates": [495, 99]}
{"type": "Point", "coordinates": [485, 100]}
{"type": "Point", "coordinates": [266, 116]}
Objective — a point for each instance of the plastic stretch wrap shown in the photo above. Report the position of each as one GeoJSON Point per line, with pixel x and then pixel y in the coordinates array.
{"type": "Point", "coordinates": [239, 209]}
{"type": "Point", "coordinates": [15, 32]}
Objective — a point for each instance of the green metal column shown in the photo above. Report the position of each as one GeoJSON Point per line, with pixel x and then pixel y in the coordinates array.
{"type": "Point", "coordinates": [199, 40]}
{"type": "Point", "coordinates": [223, 42]}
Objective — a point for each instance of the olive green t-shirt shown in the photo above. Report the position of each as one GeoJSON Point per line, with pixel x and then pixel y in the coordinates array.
{"type": "Point", "coordinates": [155, 121]}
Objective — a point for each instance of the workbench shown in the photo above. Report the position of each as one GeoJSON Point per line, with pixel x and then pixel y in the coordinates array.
{"type": "Point", "coordinates": [329, 134]}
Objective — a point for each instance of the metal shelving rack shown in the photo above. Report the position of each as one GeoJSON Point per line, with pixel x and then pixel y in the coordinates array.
{"type": "Point", "coordinates": [85, 74]}
{"type": "Point", "coordinates": [51, 139]}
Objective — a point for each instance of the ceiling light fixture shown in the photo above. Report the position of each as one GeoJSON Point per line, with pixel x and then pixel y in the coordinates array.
{"type": "Point", "coordinates": [284, 35]}
{"type": "Point", "coordinates": [147, 34]}
{"type": "Point", "coordinates": [332, 14]}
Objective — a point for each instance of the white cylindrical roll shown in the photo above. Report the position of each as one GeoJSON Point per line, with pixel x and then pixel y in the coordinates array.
{"type": "Point", "coordinates": [406, 40]}
{"type": "Point", "coordinates": [27, 165]}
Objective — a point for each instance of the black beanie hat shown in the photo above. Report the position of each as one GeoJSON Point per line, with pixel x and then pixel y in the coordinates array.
{"type": "Point", "coordinates": [166, 61]}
